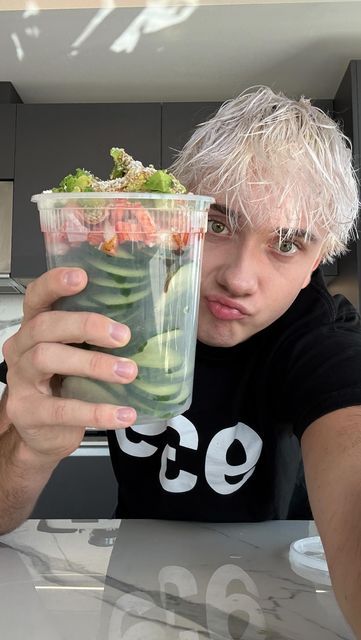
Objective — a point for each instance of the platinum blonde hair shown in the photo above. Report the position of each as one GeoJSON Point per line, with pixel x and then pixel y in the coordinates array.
{"type": "Point", "coordinates": [270, 155]}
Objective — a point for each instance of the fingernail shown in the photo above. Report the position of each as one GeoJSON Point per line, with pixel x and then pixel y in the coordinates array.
{"type": "Point", "coordinates": [73, 278]}
{"type": "Point", "coordinates": [119, 332]}
{"type": "Point", "coordinates": [124, 369]}
{"type": "Point", "coordinates": [125, 414]}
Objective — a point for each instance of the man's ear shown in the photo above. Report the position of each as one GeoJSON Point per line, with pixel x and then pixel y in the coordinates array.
{"type": "Point", "coordinates": [316, 263]}
{"type": "Point", "coordinates": [314, 267]}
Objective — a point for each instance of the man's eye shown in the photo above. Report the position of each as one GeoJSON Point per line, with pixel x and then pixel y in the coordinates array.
{"type": "Point", "coordinates": [214, 226]}
{"type": "Point", "coordinates": [287, 247]}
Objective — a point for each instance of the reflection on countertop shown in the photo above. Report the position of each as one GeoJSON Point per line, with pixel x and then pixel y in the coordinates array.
{"type": "Point", "coordinates": [159, 580]}
{"type": "Point", "coordinates": [8, 328]}
{"type": "Point", "coordinates": [11, 312]}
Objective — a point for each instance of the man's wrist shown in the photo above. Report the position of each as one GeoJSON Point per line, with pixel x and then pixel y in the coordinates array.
{"type": "Point", "coordinates": [5, 423]}
{"type": "Point", "coordinates": [22, 455]}
{"type": "Point", "coordinates": [23, 475]}
{"type": "Point", "coordinates": [26, 459]}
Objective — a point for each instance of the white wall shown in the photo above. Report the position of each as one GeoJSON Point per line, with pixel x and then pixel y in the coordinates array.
{"type": "Point", "coordinates": [11, 308]}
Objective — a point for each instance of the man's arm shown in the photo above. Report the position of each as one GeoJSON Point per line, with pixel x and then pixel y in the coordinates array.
{"type": "Point", "coordinates": [331, 449]}
{"type": "Point", "coordinates": [22, 475]}
{"type": "Point", "coordinates": [38, 428]}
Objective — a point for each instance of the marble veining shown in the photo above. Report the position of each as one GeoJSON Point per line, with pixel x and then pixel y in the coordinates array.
{"type": "Point", "coordinates": [160, 580]}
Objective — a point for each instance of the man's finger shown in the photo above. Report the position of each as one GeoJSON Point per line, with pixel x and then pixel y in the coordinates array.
{"type": "Point", "coordinates": [54, 284]}
{"type": "Point", "coordinates": [63, 412]}
{"type": "Point", "coordinates": [45, 359]}
{"type": "Point", "coordinates": [72, 327]}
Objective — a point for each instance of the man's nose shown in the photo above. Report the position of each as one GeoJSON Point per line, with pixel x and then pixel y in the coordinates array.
{"type": "Point", "coordinates": [239, 274]}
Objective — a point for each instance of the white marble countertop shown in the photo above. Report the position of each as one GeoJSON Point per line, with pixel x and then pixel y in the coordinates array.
{"type": "Point", "coordinates": [156, 580]}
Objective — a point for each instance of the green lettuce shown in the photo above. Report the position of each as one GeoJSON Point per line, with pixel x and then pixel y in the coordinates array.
{"type": "Point", "coordinates": [81, 180]}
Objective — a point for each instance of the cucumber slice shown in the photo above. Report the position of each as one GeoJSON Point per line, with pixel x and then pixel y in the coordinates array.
{"type": "Point", "coordinates": [154, 376]}
{"type": "Point", "coordinates": [171, 394]}
{"type": "Point", "coordinates": [90, 390]}
{"type": "Point", "coordinates": [87, 303]}
{"type": "Point", "coordinates": [177, 401]}
{"type": "Point", "coordinates": [122, 254]}
{"type": "Point", "coordinates": [144, 412]}
{"type": "Point", "coordinates": [93, 290]}
{"type": "Point", "coordinates": [164, 339]}
{"type": "Point", "coordinates": [154, 389]}
{"type": "Point", "coordinates": [158, 352]}
{"type": "Point", "coordinates": [158, 408]}
{"type": "Point", "coordinates": [158, 360]}
{"type": "Point", "coordinates": [106, 264]}
{"type": "Point", "coordinates": [178, 285]}
{"type": "Point", "coordinates": [114, 281]}
{"type": "Point", "coordinates": [115, 298]}
{"type": "Point", "coordinates": [180, 281]}
{"type": "Point", "coordinates": [154, 408]}
{"type": "Point", "coordinates": [125, 314]}
{"type": "Point", "coordinates": [72, 303]}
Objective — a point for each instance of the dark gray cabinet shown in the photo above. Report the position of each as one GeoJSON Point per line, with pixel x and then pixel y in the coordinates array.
{"type": "Point", "coordinates": [82, 486]}
{"type": "Point", "coordinates": [347, 111]}
{"type": "Point", "coordinates": [330, 271]}
{"type": "Point", "coordinates": [179, 119]}
{"type": "Point", "coordinates": [8, 93]}
{"type": "Point", "coordinates": [7, 140]}
{"type": "Point", "coordinates": [52, 141]}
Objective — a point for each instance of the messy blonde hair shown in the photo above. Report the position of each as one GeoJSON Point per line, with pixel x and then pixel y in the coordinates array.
{"type": "Point", "coordinates": [261, 148]}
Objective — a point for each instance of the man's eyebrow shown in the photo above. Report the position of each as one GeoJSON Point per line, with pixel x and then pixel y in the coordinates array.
{"type": "Point", "coordinates": [302, 234]}
{"type": "Point", "coordinates": [221, 208]}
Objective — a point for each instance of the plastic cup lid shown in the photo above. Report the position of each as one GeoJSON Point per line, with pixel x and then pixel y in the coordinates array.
{"type": "Point", "coordinates": [54, 196]}
{"type": "Point", "coordinates": [308, 552]}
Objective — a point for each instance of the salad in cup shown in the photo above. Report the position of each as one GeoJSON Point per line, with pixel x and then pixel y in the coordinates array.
{"type": "Point", "coordinates": [139, 236]}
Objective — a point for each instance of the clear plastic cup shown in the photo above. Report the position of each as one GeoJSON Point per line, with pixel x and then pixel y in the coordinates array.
{"type": "Point", "coordinates": [142, 253]}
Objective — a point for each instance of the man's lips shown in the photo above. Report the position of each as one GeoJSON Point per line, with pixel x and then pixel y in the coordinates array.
{"type": "Point", "coordinates": [226, 309]}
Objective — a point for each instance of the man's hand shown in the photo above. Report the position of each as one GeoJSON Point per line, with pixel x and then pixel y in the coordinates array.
{"type": "Point", "coordinates": [37, 427]}
{"type": "Point", "coordinates": [52, 427]}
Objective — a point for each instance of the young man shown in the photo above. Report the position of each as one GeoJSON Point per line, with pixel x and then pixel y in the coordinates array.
{"type": "Point", "coordinates": [278, 359]}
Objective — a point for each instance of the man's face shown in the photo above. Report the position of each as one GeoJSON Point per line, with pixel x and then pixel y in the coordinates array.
{"type": "Point", "coordinates": [249, 278]}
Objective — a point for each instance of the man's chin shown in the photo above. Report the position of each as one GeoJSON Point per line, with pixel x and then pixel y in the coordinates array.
{"type": "Point", "coordinates": [224, 341]}
{"type": "Point", "coordinates": [221, 345]}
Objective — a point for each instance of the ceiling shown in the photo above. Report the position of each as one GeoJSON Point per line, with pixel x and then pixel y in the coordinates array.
{"type": "Point", "coordinates": [167, 51]}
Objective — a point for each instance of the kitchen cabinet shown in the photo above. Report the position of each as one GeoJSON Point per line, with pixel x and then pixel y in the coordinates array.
{"type": "Point", "coordinates": [82, 486]}
{"type": "Point", "coordinates": [8, 93]}
{"type": "Point", "coordinates": [8, 102]}
{"type": "Point", "coordinates": [52, 140]}
{"type": "Point", "coordinates": [7, 140]}
{"type": "Point", "coordinates": [179, 120]}
{"type": "Point", "coordinates": [347, 111]}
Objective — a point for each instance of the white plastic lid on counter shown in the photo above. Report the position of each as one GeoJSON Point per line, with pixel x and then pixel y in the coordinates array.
{"type": "Point", "coordinates": [309, 552]}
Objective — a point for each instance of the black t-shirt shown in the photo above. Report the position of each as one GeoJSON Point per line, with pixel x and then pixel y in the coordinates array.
{"type": "Point", "coordinates": [234, 455]}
